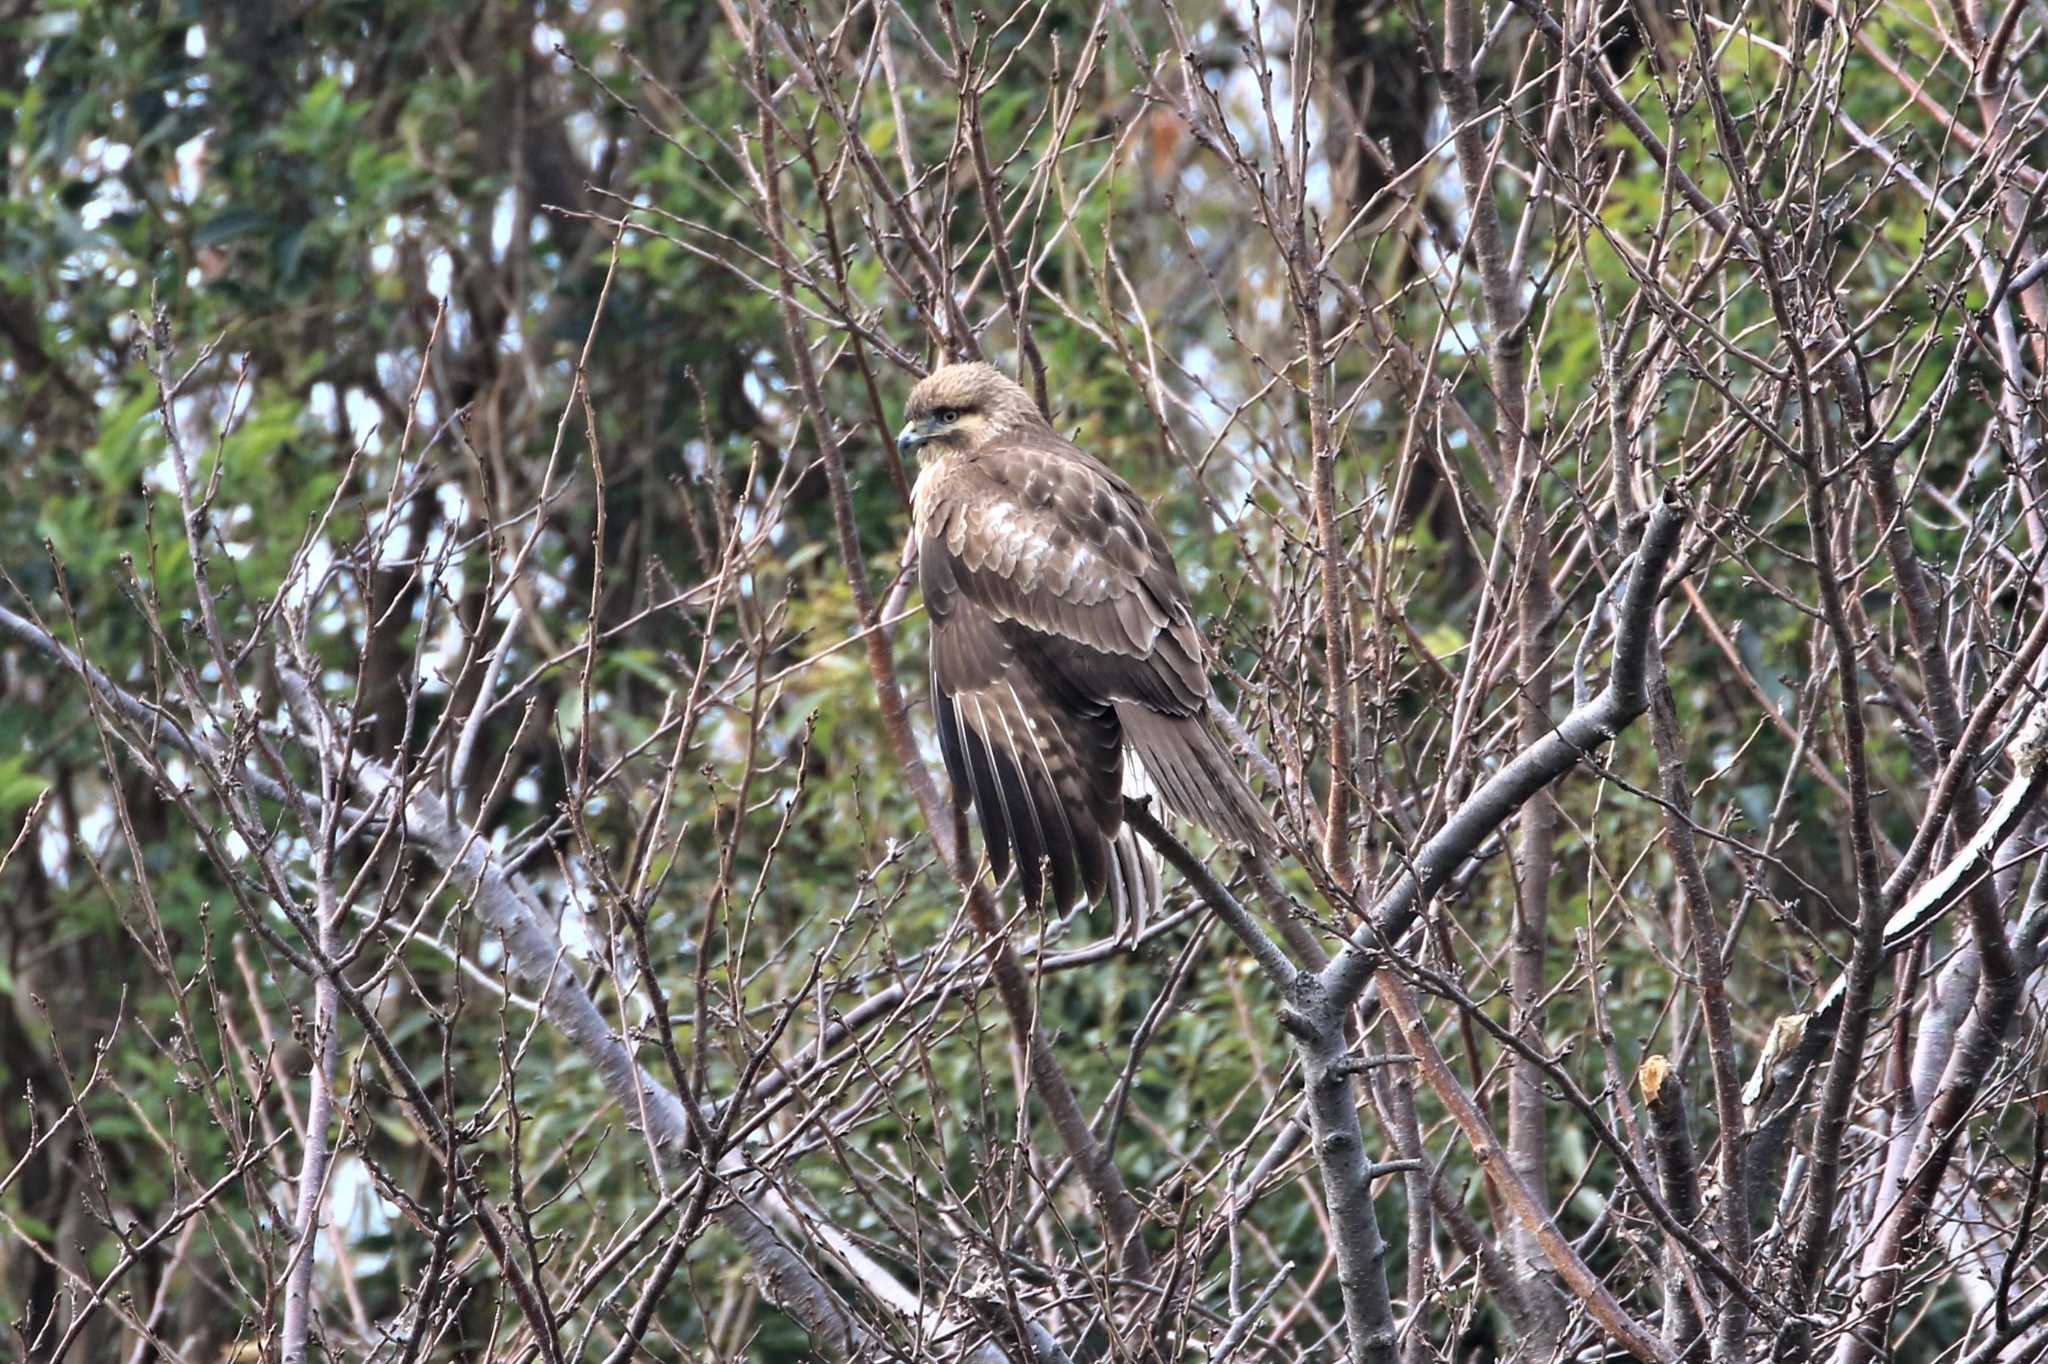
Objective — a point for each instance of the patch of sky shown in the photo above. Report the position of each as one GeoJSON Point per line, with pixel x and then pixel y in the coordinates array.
{"type": "Point", "coordinates": [53, 850]}
{"type": "Point", "coordinates": [501, 221]}
{"type": "Point", "coordinates": [384, 255]}
{"type": "Point", "coordinates": [95, 827]}
{"type": "Point", "coordinates": [587, 132]}
{"type": "Point", "coordinates": [313, 566]}
{"type": "Point", "coordinates": [756, 390]}
{"type": "Point", "coordinates": [578, 940]}
{"type": "Point", "coordinates": [1204, 408]}
{"type": "Point", "coordinates": [362, 1213]}
{"type": "Point", "coordinates": [363, 413]}
{"type": "Point", "coordinates": [190, 162]}
{"type": "Point", "coordinates": [1267, 307]}
{"type": "Point", "coordinates": [398, 373]}
{"type": "Point", "coordinates": [324, 402]}
{"type": "Point", "coordinates": [697, 456]}
{"type": "Point", "coordinates": [440, 275]}
{"type": "Point", "coordinates": [109, 156]}
{"type": "Point", "coordinates": [237, 518]}
{"type": "Point", "coordinates": [108, 198]}
{"type": "Point", "coordinates": [1463, 338]}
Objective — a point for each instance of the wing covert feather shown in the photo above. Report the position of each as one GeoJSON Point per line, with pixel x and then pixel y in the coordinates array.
{"type": "Point", "coordinates": [1042, 536]}
{"type": "Point", "coordinates": [1060, 633]}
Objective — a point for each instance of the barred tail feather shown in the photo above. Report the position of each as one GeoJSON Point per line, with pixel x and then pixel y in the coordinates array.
{"type": "Point", "coordinates": [1136, 893]}
{"type": "Point", "coordinates": [1021, 775]}
{"type": "Point", "coordinates": [1195, 775]}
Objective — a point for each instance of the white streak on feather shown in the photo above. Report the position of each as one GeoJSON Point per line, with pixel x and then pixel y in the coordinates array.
{"type": "Point", "coordinates": [1038, 752]}
{"type": "Point", "coordinates": [981, 732]}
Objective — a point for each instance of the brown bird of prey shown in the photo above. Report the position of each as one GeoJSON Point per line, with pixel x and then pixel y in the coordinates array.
{"type": "Point", "coordinates": [1066, 666]}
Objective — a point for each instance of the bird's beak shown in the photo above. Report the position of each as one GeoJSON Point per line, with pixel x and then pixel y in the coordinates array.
{"type": "Point", "coordinates": [912, 435]}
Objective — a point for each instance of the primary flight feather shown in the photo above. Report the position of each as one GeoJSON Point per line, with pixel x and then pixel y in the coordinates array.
{"type": "Point", "coordinates": [1066, 665]}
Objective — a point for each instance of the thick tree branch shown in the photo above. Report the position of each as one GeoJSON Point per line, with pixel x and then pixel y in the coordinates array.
{"type": "Point", "coordinates": [1319, 1003]}
{"type": "Point", "coordinates": [1118, 1209]}
{"type": "Point", "coordinates": [1535, 767]}
{"type": "Point", "coordinates": [673, 1131]}
{"type": "Point", "coordinates": [1576, 1275]}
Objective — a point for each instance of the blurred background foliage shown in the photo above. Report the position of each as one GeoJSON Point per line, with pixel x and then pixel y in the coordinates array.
{"type": "Point", "coordinates": [322, 193]}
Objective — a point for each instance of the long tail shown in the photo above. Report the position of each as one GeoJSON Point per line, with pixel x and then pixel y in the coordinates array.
{"type": "Point", "coordinates": [1195, 775]}
{"type": "Point", "coordinates": [1135, 893]}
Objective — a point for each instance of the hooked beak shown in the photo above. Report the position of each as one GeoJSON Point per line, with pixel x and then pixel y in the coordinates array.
{"type": "Point", "coordinates": [913, 435]}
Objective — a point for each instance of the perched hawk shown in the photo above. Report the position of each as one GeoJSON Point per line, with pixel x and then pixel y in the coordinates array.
{"type": "Point", "coordinates": [1066, 666]}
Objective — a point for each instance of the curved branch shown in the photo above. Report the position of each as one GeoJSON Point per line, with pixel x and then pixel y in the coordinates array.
{"type": "Point", "coordinates": [1588, 726]}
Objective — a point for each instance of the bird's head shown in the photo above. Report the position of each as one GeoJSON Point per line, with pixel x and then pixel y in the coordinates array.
{"type": "Point", "coordinates": [959, 407]}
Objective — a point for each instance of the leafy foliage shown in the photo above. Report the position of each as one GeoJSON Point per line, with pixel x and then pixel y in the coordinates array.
{"type": "Point", "coordinates": [458, 346]}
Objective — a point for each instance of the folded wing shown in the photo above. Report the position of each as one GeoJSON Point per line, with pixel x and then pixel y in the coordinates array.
{"type": "Point", "coordinates": [1061, 634]}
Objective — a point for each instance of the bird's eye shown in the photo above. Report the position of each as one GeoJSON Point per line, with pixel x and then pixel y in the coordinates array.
{"type": "Point", "coordinates": [946, 416]}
